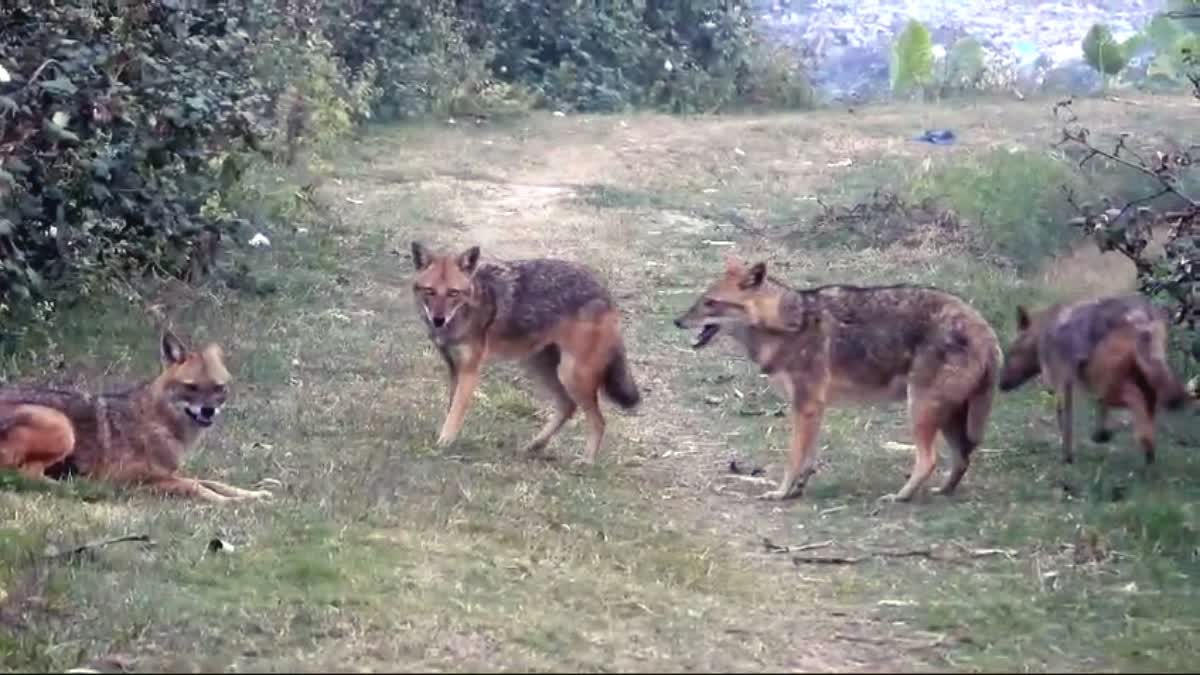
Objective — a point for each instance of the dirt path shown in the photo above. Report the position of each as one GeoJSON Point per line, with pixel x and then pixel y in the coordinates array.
{"type": "Point", "coordinates": [534, 203]}
{"type": "Point", "coordinates": [653, 203]}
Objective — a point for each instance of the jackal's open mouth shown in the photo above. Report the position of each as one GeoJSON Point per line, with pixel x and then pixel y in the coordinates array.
{"type": "Point", "coordinates": [203, 416]}
{"type": "Point", "coordinates": [706, 335]}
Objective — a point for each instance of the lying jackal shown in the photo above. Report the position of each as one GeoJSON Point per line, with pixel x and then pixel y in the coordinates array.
{"type": "Point", "coordinates": [137, 436]}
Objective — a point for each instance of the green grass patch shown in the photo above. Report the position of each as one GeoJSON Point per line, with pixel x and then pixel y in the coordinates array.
{"type": "Point", "coordinates": [1013, 199]}
{"type": "Point", "coordinates": [384, 551]}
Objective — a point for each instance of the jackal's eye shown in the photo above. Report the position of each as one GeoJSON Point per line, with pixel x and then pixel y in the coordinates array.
{"type": "Point", "coordinates": [454, 292]}
{"type": "Point", "coordinates": [424, 290]}
{"type": "Point", "coordinates": [710, 303]}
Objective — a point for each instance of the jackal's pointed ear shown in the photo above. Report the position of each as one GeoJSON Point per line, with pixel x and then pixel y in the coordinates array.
{"type": "Point", "coordinates": [171, 349]}
{"type": "Point", "coordinates": [468, 259]}
{"type": "Point", "coordinates": [420, 255]}
{"type": "Point", "coordinates": [732, 263]}
{"type": "Point", "coordinates": [755, 276]}
{"type": "Point", "coordinates": [1022, 317]}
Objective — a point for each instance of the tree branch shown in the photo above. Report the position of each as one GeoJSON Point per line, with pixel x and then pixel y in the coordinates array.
{"type": "Point", "coordinates": [1129, 229]}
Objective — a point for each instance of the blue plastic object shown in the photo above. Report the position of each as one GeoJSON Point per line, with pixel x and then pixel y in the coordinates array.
{"type": "Point", "coordinates": [937, 137]}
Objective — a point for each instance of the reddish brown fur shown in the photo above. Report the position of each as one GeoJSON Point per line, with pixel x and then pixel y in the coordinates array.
{"type": "Point", "coordinates": [1115, 347]}
{"type": "Point", "coordinates": [137, 436]}
{"type": "Point", "coordinates": [832, 344]}
{"type": "Point", "coordinates": [554, 316]}
{"type": "Point", "coordinates": [33, 437]}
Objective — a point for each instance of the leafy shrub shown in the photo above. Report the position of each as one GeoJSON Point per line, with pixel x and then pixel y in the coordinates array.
{"type": "Point", "coordinates": [121, 123]}
{"type": "Point", "coordinates": [678, 55]}
{"type": "Point", "coordinates": [981, 191]}
{"type": "Point", "coordinates": [109, 113]}
{"type": "Point", "coordinates": [1102, 51]}
{"type": "Point", "coordinates": [965, 65]}
{"type": "Point", "coordinates": [1175, 49]}
{"type": "Point", "coordinates": [912, 58]}
{"type": "Point", "coordinates": [421, 55]}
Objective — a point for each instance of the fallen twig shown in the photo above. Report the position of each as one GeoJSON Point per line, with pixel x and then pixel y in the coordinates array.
{"type": "Point", "coordinates": [988, 552]}
{"type": "Point", "coordinates": [772, 547]}
{"type": "Point", "coordinates": [821, 560]}
{"type": "Point", "coordinates": [894, 445]}
{"type": "Point", "coordinates": [918, 553]}
{"type": "Point", "coordinates": [98, 544]}
{"type": "Point", "coordinates": [758, 480]}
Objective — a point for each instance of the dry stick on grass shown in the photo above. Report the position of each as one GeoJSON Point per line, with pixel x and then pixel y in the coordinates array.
{"type": "Point", "coordinates": [145, 538]}
{"type": "Point", "coordinates": [917, 553]}
{"type": "Point", "coordinates": [772, 547]}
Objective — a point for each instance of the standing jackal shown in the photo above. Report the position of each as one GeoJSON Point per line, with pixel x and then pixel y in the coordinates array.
{"type": "Point", "coordinates": [837, 343]}
{"type": "Point", "coordinates": [138, 436]}
{"type": "Point", "coordinates": [1115, 347]}
{"type": "Point", "coordinates": [553, 315]}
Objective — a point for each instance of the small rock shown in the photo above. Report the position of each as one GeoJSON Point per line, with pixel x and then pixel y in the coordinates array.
{"type": "Point", "coordinates": [259, 239]}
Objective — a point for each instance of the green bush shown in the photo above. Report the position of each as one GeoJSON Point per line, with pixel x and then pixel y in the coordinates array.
{"type": "Point", "coordinates": [965, 66]}
{"type": "Point", "coordinates": [912, 58]}
{"type": "Point", "coordinates": [677, 55]}
{"type": "Point", "coordinates": [121, 123]}
{"type": "Point", "coordinates": [1014, 200]}
{"type": "Point", "coordinates": [109, 115]}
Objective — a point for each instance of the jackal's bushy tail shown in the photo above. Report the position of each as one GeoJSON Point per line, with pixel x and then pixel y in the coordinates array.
{"type": "Point", "coordinates": [618, 380]}
{"type": "Point", "coordinates": [1151, 355]}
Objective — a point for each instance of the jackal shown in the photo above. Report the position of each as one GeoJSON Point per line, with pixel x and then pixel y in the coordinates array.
{"type": "Point", "coordinates": [137, 436]}
{"type": "Point", "coordinates": [553, 315]}
{"type": "Point", "coordinates": [1115, 347]}
{"type": "Point", "coordinates": [832, 344]}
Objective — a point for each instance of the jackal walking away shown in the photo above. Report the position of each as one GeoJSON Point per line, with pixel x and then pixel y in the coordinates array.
{"type": "Point", "coordinates": [555, 316]}
{"type": "Point", "coordinates": [136, 436]}
{"type": "Point", "coordinates": [832, 344]}
{"type": "Point", "coordinates": [1114, 347]}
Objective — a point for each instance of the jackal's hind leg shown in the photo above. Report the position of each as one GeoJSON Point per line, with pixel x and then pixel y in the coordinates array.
{"type": "Point", "coordinates": [1101, 433]}
{"type": "Point", "coordinates": [543, 369]}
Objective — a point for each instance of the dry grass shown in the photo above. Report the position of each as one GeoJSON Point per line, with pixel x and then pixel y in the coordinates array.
{"type": "Point", "coordinates": [385, 553]}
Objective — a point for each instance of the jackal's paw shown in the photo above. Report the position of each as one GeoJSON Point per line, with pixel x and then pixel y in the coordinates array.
{"type": "Point", "coordinates": [444, 439]}
{"type": "Point", "coordinates": [259, 495]}
{"type": "Point", "coordinates": [533, 449]}
{"type": "Point", "coordinates": [778, 495]}
{"type": "Point", "coordinates": [893, 498]}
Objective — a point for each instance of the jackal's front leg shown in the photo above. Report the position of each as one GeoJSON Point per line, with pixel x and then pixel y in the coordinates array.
{"type": "Point", "coordinates": [806, 423]}
{"type": "Point", "coordinates": [467, 380]}
{"type": "Point", "coordinates": [233, 492]}
{"type": "Point", "coordinates": [178, 486]}
{"type": "Point", "coordinates": [1066, 425]}
{"type": "Point", "coordinates": [451, 374]}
